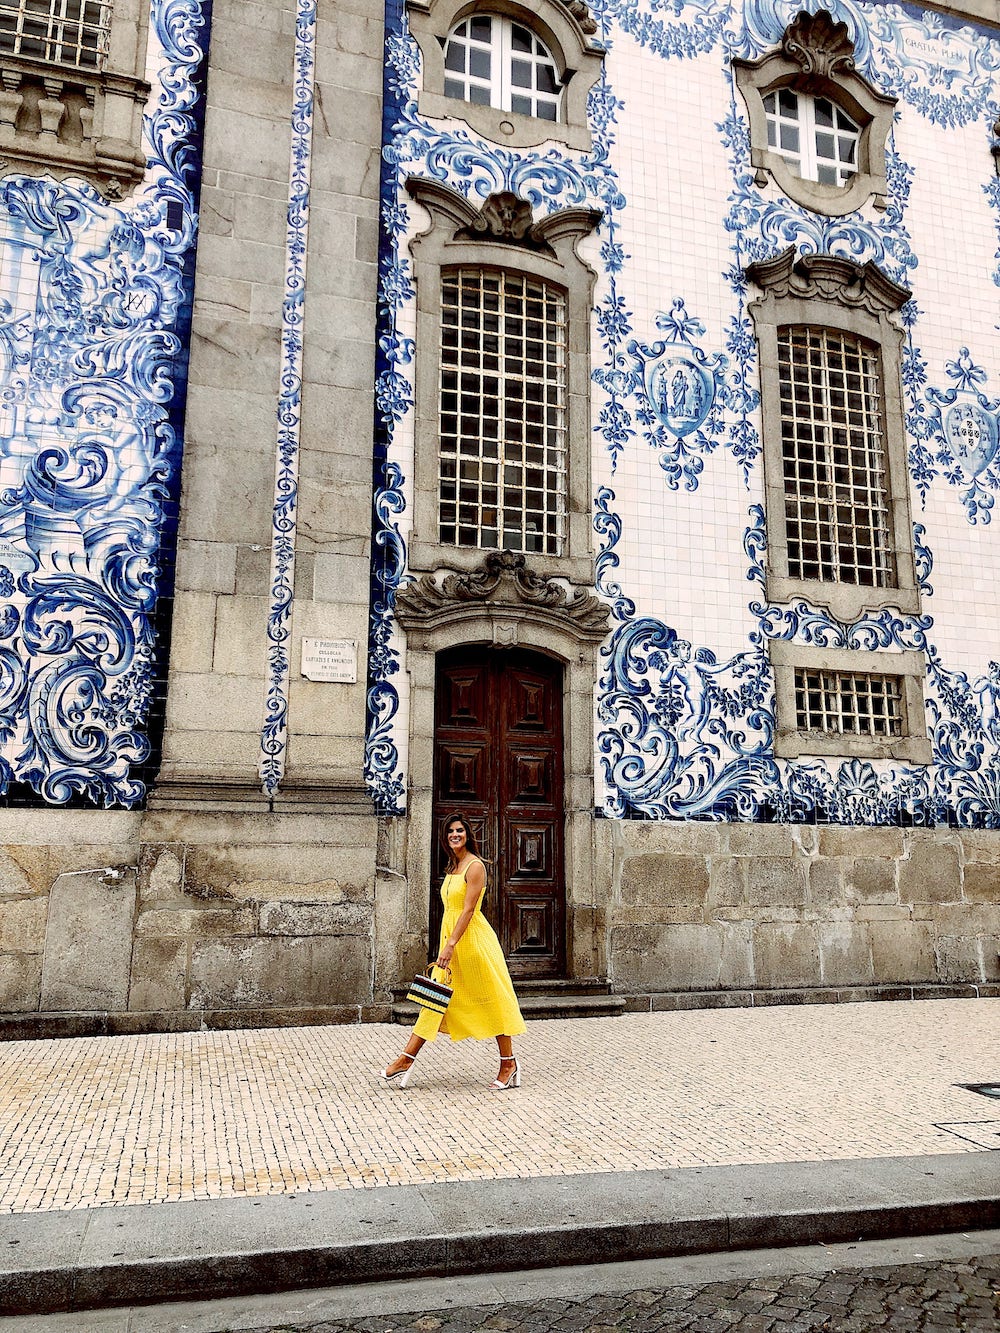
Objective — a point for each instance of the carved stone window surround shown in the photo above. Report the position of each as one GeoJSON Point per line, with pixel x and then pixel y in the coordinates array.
{"type": "Point", "coordinates": [500, 235]}
{"type": "Point", "coordinates": [817, 57]}
{"type": "Point", "coordinates": [830, 292]}
{"type": "Point", "coordinates": [67, 121]}
{"type": "Point", "coordinates": [911, 747]}
{"type": "Point", "coordinates": [567, 29]}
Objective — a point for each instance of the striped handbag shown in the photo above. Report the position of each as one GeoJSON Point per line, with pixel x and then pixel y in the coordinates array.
{"type": "Point", "coordinates": [429, 993]}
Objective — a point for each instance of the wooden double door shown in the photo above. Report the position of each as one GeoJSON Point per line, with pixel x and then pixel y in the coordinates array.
{"type": "Point", "coordinates": [498, 757]}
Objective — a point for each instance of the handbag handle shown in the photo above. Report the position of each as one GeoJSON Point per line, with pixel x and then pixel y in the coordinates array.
{"type": "Point", "coordinates": [432, 967]}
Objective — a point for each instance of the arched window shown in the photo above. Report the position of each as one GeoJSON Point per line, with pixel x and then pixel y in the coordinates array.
{"type": "Point", "coordinates": [520, 75]}
{"type": "Point", "coordinates": [492, 60]}
{"type": "Point", "coordinates": [68, 32]}
{"type": "Point", "coordinates": [815, 136]}
{"type": "Point", "coordinates": [817, 128]}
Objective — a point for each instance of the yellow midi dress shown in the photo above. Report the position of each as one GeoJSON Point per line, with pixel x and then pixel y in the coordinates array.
{"type": "Point", "coordinates": [484, 1004]}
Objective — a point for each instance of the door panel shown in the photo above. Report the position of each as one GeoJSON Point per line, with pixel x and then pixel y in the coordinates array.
{"type": "Point", "coordinates": [531, 777]}
{"type": "Point", "coordinates": [498, 761]}
{"type": "Point", "coordinates": [530, 850]}
{"type": "Point", "coordinates": [461, 771]}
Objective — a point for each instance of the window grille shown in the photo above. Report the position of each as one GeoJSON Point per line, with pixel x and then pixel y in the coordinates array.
{"type": "Point", "coordinates": [848, 703]}
{"type": "Point", "coordinates": [833, 457]}
{"type": "Point", "coordinates": [67, 32]}
{"type": "Point", "coordinates": [497, 62]}
{"type": "Point", "coordinates": [502, 478]}
{"type": "Point", "coordinates": [815, 136]}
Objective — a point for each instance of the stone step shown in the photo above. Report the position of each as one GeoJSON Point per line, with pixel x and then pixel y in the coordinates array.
{"type": "Point", "coordinates": [562, 986]}
{"type": "Point", "coordinates": [543, 986]}
{"type": "Point", "coordinates": [551, 1005]}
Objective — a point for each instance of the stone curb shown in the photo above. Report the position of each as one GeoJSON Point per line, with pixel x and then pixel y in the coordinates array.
{"type": "Point", "coordinates": [93, 1258]}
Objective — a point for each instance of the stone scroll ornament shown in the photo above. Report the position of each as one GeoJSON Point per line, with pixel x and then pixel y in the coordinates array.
{"type": "Point", "coordinates": [502, 582]}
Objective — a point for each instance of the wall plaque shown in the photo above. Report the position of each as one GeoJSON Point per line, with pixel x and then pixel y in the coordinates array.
{"type": "Point", "coordinates": [334, 660]}
{"type": "Point", "coordinates": [15, 558]}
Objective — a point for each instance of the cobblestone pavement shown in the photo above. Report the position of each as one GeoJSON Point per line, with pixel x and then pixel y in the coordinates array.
{"type": "Point", "coordinates": [908, 1298]}
{"type": "Point", "coordinates": [147, 1119]}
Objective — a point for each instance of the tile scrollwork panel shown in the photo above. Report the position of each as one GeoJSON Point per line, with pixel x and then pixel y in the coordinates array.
{"type": "Point", "coordinates": [685, 731]}
{"type": "Point", "coordinates": [94, 310]}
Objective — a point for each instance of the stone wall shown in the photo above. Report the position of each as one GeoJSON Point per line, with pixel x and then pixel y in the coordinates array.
{"type": "Point", "coordinates": [165, 921]}
{"type": "Point", "coordinates": [171, 921]}
{"type": "Point", "coordinates": [751, 909]}
{"type": "Point", "coordinates": [227, 601]}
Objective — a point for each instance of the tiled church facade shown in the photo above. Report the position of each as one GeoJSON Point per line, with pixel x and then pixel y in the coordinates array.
{"type": "Point", "coordinates": [223, 440]}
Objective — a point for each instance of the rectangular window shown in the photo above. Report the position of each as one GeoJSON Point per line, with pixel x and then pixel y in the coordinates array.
{"type": "Point", "coordinates": [833, 457]}
{"type": "Point", "coordinates": [67, 32]}
{"type": "Point", "coordinates": [846, 703]}
{"type": "Point", "coordinates": [503, 405]}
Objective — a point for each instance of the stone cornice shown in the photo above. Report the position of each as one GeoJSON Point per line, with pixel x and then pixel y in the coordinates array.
{"type": "Point", "coordinates": [502, 585]}
{"type": "Point", "coordinates": [829, 278]}
{"type": "Point", "coordinates": [504, 217]}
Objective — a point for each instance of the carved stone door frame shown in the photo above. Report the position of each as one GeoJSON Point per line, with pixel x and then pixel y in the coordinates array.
{"type": "Point", "coordinates": [505, 603]}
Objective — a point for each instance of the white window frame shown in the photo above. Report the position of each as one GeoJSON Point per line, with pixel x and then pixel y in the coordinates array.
{"type": "Point", "coordinates": [500, 85]}
{"type": "Point", "coordinates": [816, 59]}
{"type": "Point", "coordinates": [808, 161]}
{"type": "Point", "coordinates": [566, 30]}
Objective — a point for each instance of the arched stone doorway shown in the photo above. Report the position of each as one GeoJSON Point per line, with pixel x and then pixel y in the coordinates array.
{"type": "Point", "coordinates": [502, 606]}
{"type": "Point", "coordinates": [498, 758]}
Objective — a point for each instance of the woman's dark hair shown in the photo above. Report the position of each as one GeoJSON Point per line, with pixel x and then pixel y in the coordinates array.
{"type": "Point", "coordinates": [470, 838]}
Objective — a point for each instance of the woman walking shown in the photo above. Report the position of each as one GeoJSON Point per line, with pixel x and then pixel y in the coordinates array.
{"type": "Point", "coordinates": [483, 1004]}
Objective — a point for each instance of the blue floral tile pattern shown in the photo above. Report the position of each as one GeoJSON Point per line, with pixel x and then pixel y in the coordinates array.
{"type": "Point", "coordinates": [274, 733]}
{"type": "Point", "coordinates": [685, 729]}
{"type": "Point", "coordinates": [95, 303]}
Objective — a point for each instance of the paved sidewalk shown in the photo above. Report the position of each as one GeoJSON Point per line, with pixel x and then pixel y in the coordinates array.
{"type": "Point", "coordinates": [645, 1134]}
{"type": "Point", "coordinates": [99, 1121]}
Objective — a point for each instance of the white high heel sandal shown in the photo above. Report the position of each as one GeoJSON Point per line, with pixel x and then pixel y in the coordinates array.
{"type": "Point", "coordinates": [401, 1076]}
{"type": "Point", "coordinates": [513, 1079]}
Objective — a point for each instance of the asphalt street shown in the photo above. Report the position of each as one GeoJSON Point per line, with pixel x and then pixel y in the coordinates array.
{"type": "Point", "coordinates": [924, 1284]}
{"type": "Point", "coordinates": [932, 1298]}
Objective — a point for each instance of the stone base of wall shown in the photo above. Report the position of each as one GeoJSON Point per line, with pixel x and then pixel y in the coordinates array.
{"type": "Point", "coordinates": [758, 909]}
{"type": "Point", "coordinates": [38, 1026]}
{"type": "Point", "coordinates": [757, 999]}
{"type": "Point", "coordinates": [173, 921]}
{"type": "Point", "coordinates": [180, 920]}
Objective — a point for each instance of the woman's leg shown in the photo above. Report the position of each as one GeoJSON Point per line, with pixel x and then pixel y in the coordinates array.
{"type": "Point", "coordinates": [410, 1052]}
{"type": "Point", "coordinates": [508, 1065]}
